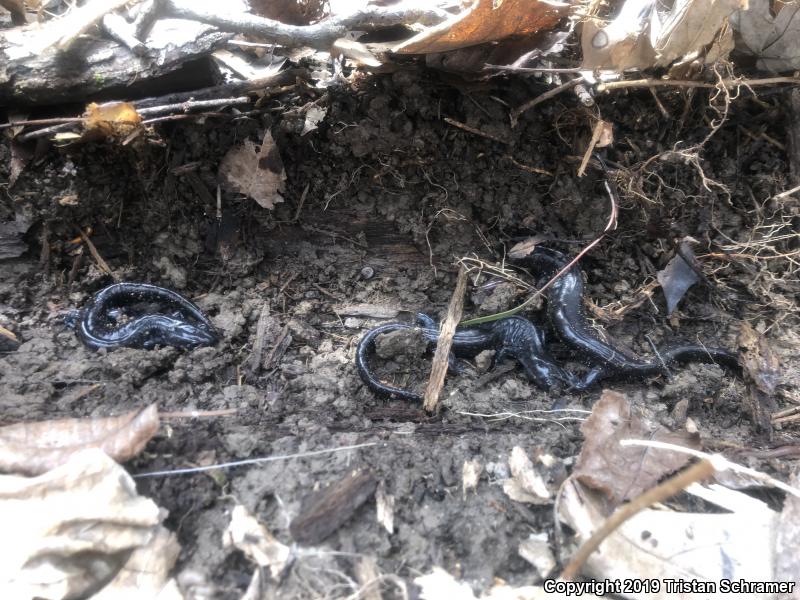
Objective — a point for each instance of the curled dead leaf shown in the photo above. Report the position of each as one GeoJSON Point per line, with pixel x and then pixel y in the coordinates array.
{"type": "Point", "coordinates": [621, 473]}
{"type": "Point", "coordinates": [33, 448]}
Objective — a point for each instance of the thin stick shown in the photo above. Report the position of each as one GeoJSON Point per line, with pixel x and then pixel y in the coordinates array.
{"type": "Point", "coordinates": [786, 412]}
{"type": "Point", "coordinates": [728, 83]}
{"type": "Point", "coordinates": [670, 487]}
{"type": "Point", "coordinates": [488, 67]}
{"type": "Point", "coordinates": [195, 414]}
{"type": "Point", "coordinates": [251, 461]}
{"type": "Point", "coordinates": [439, 368]}
{"type": "Point", "coordinates": [475, 131]}
{"type": "Point", "coordinates": [597, 131]}
{"type": "Point", "coordinates": [55, 121]}
{"type": "Point", "coordinates": [96, 255]}
{"type": "Point", "coordinates": [720, 463]}
{"type": "Point", "coordinates": [515, 114]}
{"type": "Point", "coordinates": [528, 168]}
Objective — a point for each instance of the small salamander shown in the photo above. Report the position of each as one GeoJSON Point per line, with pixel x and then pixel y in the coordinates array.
{"type": "Point", "coordinates": [96, 326]}
{"type": "Point", "coordinates": [565, 313]}
{"type": "Point", "coordinates": [513, 337]}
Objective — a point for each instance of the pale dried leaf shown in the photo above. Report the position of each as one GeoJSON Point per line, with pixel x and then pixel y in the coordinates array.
{"type": "Point", "coordinates": [645, 35]}
{"type": "Point", "coordinates": [247, 534]}
{"type": "Point", "coordinates": [486, 21]}
{"type": "Point", "coordinates": [526, 484]}
{"type": "Point", "coordinates": [384, 503]}
{"type": "Point", "coordinates": [146, 572]}
{"type": "Point", "coordinates": [787, 540]}
{"type": "Point", "coordinates": [621, 473]}
{"type": "Point", "coordinates": [662, 544]}
{"type": "Point", "coordinates": [470, 474]}
{"type": "Point", "coordinates": [359, 53]}
{"type": "Point", "coordinates": [689, 27]}
{"type": "Point", "coordinates": [33, 448]}
{"type": "Point", "coordinates": [536, 550]}
{"type": "Point", "coordinates": [774, 40]}
{"type": "Point", "coordinates": [87, 507]}
{"type": "Point", "coordinates": [255, 171]}
{"type": "Point", "coordinates": [314, 116]}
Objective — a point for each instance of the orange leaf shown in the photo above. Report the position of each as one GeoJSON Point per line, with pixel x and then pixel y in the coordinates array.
{"type": "Point", "coordinates": [486, 21]}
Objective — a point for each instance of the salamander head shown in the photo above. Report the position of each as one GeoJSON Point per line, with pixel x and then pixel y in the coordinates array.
{"type": "Point", "coordinates": [182, 333]}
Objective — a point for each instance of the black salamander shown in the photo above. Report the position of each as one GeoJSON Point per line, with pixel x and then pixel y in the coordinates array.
{"type": "Point", "coordinates": [565, 313]}
{"type": "Point", "coordinates": [512, 337]}
{"type": "Point", "coordinates": [186, 326]}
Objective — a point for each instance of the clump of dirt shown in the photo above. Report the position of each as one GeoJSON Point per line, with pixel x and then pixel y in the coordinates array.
{"type": "Point", "coordinates": [392, 195]}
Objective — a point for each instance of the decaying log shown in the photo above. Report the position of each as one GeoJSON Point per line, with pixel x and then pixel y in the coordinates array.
{"type": "Point", "coordinates": [44, 65]}
{"type": "Point", "coordinates": [93, 68]}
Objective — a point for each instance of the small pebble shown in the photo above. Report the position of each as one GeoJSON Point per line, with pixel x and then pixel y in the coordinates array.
{"type": "Point", "coordinates": [367, 273]}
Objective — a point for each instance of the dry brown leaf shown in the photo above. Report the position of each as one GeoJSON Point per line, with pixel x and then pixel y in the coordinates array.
{"type": "Point", "coordinates": [486, 21]}
{"type": "Point", "coordinates": [17, 10]}
{"type": "Point", "coordinates": [256, 172]}
{"type": "Point", "coordinates": [33, 448]}
{"type": "Point", "coordinates": [625, 472]}
{"type": "Point", "coordinates": [113, 119]}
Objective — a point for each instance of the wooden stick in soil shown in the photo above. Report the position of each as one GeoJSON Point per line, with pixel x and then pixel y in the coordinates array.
{"type": "Point", "coordinates": [96, 255]}
{"type": "Point", "coordinates": [439, 368]}
{"type": "Point", "coordinates": [670, 487]}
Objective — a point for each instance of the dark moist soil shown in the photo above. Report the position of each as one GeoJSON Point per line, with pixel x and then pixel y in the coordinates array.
{"type": "Point", "coordinates": [394, 196]}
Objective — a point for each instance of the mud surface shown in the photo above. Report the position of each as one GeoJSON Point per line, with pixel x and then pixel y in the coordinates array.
{"type": "Point", "coordinates": [391, 196]}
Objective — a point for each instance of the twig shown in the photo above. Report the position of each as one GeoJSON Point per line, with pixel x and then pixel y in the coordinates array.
{"type": "Point", "coordinates": [786, 412]}
{"type": "Point", "coordinates": [670, 487]}
{"type": "Point", "coordinates": [196, 414]}
{"type": "Point", "coordinates": [727, 83]}
{"type": "Point", "coordinates": [528, 168]}
{"type": "Point", "coordinates": [488, 67]}
{"type": "Point", "coordinates": [179, 108]}
{"type": "Point", "coordinates": [251, 461]}
{"type": "Point", "coordinates": [258, 344]}
{"type": "Point", "coordinates": [720, 463]}
{"type": "Point", "coordinates": [597, 132]}
{"type": "Point", "coordinates": [57, 121]}
{"type": "Point", "coordinates": [96, 255]}
{"type": "Point", "coordinates": [788, 192]}
{"type": "Point", "coordinates": [319, 36]}
{"type": "Point", "coordinates": [515, 114]}
{"type": "Point", "coordinates": [475, 131]}
{"type": "Point", "coordinates": [440, 357]}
